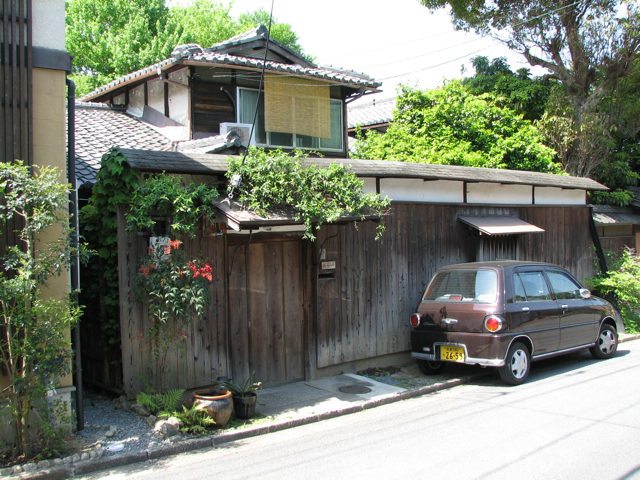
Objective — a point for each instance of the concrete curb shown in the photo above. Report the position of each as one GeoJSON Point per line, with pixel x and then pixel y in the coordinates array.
{"type": "Point", "coordinates": [89, 466]}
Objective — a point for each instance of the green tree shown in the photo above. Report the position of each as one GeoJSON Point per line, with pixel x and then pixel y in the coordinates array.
{"type": "Point", "coordinates": [111, 38]}
{"type": "Point", "coordinates": [451, 126]}
{"type": "Point", "coordinates": [527, 96]}
{"type": "Point", "coordinates": [587, 45]}
{"type": "Point", "coordinates": [35, 348]}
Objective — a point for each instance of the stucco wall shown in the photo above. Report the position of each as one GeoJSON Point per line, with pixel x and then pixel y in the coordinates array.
{"type": "Point", "coordinates": [48, 24]}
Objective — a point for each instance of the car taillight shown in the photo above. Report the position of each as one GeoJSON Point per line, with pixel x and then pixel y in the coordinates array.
{"type": "Point", "coordinates": [493, 323]}
{"type": "Point", "coordinates": [415, 320]}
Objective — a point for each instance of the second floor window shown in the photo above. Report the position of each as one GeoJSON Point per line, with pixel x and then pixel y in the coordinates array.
{"type": "Point", "coordinates": [246, 109]}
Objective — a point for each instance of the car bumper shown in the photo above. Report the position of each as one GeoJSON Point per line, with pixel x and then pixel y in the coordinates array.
{"type": "Point", "coordinates": [479, 349]}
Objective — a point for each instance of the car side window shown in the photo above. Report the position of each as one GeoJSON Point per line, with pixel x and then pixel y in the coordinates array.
{"type": "Point", "coordinates": [518, 289]}
{"type": "Point", "coordinates": [563, 286]}
{"type": "Point", "coordinates": [533, 287]}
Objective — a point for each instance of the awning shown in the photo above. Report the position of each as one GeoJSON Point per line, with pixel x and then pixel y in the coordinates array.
{"type": "Point", "coordinates": [500, 225]}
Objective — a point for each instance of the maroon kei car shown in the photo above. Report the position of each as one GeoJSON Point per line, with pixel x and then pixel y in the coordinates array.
{"type": "Point", "coordinates": [505, 314]}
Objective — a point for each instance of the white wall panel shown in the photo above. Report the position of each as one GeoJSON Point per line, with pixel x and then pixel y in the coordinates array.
{"type": "Point", "coordinates": [179, 97]}
{"type": "Point", "coordinates": [155, 90]}
{"type": "Point", "coordinates": [48, 24]}
{"type": "Point", "coordinates": [499, 194]}
{"type": "Point", "coordinates": [369, 184]}
{"type": "Point", "coordinates": [443, 191]}
{"type": "Point", "coordinates": [417, 190]}
{"type": "Point", "coordinates": [559, 196]}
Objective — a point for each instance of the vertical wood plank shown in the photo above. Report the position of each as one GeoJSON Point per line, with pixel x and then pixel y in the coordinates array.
{"type": "Point", "coordinates": [260, 340]}
{"type": "Point", "coordinates": [274, 314]}
{"type": "Point", "coordinates": [238, 312]}
{"type": "Point", "coordinates": [292, 293]}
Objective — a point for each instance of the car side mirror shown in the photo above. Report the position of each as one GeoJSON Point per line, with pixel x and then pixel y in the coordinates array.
{"type": "Point", "coordinates": [584, 293]}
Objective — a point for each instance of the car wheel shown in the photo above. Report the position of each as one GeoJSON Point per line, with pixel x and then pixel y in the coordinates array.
{"type": "Point", "coordinates": [607, 343]}
{"type": "Point", "coordinates": [517, 365]}
{"type": "Point", "coordinates": [430, 368]}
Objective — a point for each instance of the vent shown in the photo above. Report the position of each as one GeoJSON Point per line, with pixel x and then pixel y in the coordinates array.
{"type": "Point", "coordinates": [242, 129]}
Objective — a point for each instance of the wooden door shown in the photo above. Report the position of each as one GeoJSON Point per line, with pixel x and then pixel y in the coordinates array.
{"type": "Point", "coordinates": [266, 311]}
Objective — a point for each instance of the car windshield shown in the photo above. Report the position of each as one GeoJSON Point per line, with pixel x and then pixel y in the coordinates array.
{"type": "Point", "coordinates": [472, 285]}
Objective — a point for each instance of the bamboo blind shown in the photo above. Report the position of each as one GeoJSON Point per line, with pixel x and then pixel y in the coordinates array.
{"type": "Point", "coordinates": [297, 105]}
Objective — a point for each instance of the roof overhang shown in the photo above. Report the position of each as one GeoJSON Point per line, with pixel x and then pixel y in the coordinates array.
{"type": "Point", "coordinates": [282, 220]}
{"type": "Point", "coordinates": [499, 225]}
{"type": "Point", "coordinates": [178, 162]}
{"type": "Point", "coordinates": [608, 219]}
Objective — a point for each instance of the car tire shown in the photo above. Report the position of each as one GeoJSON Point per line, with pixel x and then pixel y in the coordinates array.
{"type": "Point", "coordinates": [517, 365]}
{"type": "Point", "coordinates": [430, 367]}
{"type": "Point", "coordinates": [607, 343]}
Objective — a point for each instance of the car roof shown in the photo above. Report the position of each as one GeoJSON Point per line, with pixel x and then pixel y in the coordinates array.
{"type": "Point", "coordinates": [497, 264]}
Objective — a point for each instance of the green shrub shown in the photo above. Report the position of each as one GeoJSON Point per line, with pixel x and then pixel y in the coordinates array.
{"type": "Point", "coordinates": [623, 281]}
{"type": "Point", "coordinates": [161, 403]}
{"type": "Point", "coordinates": [195, 419]}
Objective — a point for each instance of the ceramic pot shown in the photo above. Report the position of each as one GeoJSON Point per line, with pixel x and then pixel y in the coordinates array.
{"type": "Point", "coordinates": [217, 404]}
{"type": "Point", "coordinates": [245, 407]}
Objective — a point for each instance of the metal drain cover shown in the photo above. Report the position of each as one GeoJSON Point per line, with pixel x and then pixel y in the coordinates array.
{"type": "Point", "coordinates": [355, 389]}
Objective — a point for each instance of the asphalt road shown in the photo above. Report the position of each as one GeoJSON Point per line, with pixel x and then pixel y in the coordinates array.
{"type": "Point", "coordinates": [576, 418]}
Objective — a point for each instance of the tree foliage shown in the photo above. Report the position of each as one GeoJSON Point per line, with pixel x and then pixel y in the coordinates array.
{"type": "Point", "coordinates": [35, 349]}
{"type": "Point", "coordinates": [451, 126]}
{"type": "Point", "coordinates": [527, 96]}
{"type": "Point", "coordinates": [589, 46]}
{"type": "Point", "coordinates": [111, 38]}
{"type": "Point", "coordinates": [623, 281]}
{"type": "Point", "coordinates": [99, 226]}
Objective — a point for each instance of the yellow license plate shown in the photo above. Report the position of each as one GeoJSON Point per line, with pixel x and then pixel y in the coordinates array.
{"type": "Point", "coordinates": [452, 354]}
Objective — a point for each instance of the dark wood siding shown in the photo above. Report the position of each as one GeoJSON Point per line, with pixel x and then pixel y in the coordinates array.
{"type": "Point", "coordinates": [211, 106]}
{"type": "Point", "coordinates": [266, 310]}
{"type": "Point", "coordinates": [364, 310]}
{"type": "Point", "coordinates": [617, 244]}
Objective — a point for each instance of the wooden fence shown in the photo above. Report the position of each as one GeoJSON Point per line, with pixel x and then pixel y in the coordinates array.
{"type": "Point", "coordinates": [276, 313]}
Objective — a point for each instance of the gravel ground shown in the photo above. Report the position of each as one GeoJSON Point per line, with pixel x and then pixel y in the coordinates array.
{"type": "Point", "coordinates": [113, 429]}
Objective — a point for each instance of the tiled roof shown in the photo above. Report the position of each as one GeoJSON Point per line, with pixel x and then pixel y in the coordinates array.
{"type": "Point", "coordinates": [179, 162]}
{"type": "Point", "coordinates": [371, 112]}
{"type": "Point", "coordinates": [216, 56]}
{"type": "Point", "coordinates": [99, 127]}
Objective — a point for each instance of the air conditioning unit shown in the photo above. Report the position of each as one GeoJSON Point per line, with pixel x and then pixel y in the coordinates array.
{"type": "Point", "coordinates": [242, 129]}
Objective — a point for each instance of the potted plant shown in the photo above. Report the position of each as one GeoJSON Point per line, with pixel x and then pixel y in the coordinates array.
{"type": "Point", "coordinates": [215, 403]}
{"type": "Point", "coordinates": [243, 395]}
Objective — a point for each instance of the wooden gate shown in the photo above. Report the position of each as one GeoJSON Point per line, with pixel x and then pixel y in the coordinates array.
{"type": "Point", "coordinates": [266, 310]}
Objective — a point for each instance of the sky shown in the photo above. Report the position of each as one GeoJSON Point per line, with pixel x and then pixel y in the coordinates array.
{"type": "Point", "coordinates": [394, 41]}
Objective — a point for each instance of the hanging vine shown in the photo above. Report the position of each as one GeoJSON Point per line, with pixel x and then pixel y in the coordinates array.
{"type": "Point", "coordinates": [273, 180]}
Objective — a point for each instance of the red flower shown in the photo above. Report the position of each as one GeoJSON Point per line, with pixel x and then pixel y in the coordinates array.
{"type": "Point", "coordinates": [144, 270]}
{"type": "Point", "coordinates": [175, 243]}
{"type": "Point", "coordinates": [167, 250]}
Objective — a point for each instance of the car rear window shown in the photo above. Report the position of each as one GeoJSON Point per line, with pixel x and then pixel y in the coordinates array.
{"type": "Point", "coordinates": [472, 285]}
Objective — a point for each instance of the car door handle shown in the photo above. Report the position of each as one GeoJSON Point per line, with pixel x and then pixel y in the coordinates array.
{"type": "Point", "coordinates": [525, 309]}
{"type": "Point", "coordinates": [565, 308]}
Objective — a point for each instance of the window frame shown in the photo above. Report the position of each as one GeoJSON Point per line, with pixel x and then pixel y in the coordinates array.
{"type": "Point", "coordinates": [516, 277]}
{"type": "Point", "coordinates": [269, 144]}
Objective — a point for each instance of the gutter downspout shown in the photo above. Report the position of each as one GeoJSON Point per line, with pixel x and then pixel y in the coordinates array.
{"type": "Point", "coordinates": [75, 266]}
{"type": "Point", "coordinates": [596, 242]}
